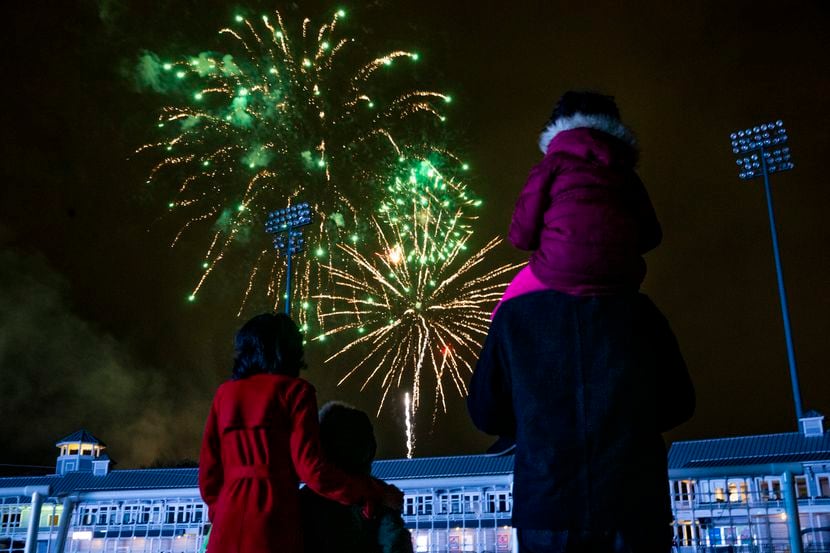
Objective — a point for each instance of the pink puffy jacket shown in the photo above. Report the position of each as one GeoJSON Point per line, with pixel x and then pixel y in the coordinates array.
{"type": "Point", "coordinates": [584, 211]}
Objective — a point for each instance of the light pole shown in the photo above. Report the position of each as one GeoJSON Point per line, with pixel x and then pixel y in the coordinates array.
{"type": "Point", "coordinates": [285, 225]}
{"type": "Point", "coordinates": [761, 151]}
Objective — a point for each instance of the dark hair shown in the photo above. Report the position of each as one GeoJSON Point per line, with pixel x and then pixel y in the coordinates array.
{"type": "Point", "coordinates": [586, 102]}
{"type": "Point", "coordinates": [347, 437]}
{"type": "Point", "coordinates": [269, 343]}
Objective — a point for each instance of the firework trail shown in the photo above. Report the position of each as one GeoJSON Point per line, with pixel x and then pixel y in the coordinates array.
{"type": "Point", "coordinates": [284, 117]}
{"type": "Point", "coordinates": [410, 434]}
{"type": "Point", "coordinates": [406, 316]}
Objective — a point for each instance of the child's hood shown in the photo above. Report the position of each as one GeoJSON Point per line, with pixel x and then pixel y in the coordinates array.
{"type": "Point", "coordinates": [599, 137]}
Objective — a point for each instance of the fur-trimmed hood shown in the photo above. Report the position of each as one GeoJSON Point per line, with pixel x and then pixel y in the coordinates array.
{"type": "Point", "coordinates": [604, 123]}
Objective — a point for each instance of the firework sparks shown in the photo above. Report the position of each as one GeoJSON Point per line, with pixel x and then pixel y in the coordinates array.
{"type": "Point", "coordinates": [421, 196]}
{"type": "Point", "coordinates": [282, 117]}
{"type": "Point", "coordinates": [407, 316]}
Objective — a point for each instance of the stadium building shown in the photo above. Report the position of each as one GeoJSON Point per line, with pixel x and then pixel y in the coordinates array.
{"type": "Point", "coordinates": [750, 493]}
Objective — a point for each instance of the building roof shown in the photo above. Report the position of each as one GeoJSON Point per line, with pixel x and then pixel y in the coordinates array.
{"type": "Point", "coordinates": [789, 447]}
{"type": "Point", "coordinates": [81, 436]}
{"type": "Point", "coordinates": [133, 479]}
{"type": "Point", "coordinates": [151, 479]}
{"type": "Point", "coordinates": [443, 467]}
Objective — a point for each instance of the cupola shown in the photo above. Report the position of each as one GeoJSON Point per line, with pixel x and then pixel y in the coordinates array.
{"type": "Point", "coordinates": [82, 452]}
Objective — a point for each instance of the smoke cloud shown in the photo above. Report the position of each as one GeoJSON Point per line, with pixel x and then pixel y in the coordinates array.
{"type": "Point", "coordinates": [229, 66]}
{"type": "Point", "coordinates": [149, 72]}
{"type": "Point", "coordinates": [60, 373]}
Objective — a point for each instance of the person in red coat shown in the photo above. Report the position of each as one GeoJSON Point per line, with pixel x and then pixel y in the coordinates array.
{"type": "Point", "coordinates": [261, 439]}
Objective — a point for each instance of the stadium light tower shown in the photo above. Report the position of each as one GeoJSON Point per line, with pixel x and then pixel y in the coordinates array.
{"type": "Point", "coordinates": [762, 151]}
{"type": "Point", "coordinates": [285, 225]}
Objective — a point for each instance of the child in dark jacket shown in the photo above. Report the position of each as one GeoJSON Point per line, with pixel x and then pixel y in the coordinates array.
{"type": "Point", "coordinates": [348, 442]}
{"type": "Point", "coordinates": [584, 213]}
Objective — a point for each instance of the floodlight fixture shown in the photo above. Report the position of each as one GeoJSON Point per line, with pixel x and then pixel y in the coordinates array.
{"type": "Point", "coordinates": [761, 146]}
{"type": "Point", "coordinates": [761, 151]}
{"type": "Point", "coordinates": [291, 242]}
{"type": "Point", "coordinates": [286, 226]}
{"type": "Point", "coordinates": [294, 216]}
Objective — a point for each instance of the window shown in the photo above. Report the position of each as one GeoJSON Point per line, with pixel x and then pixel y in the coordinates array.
{"type": "Point", "coordinates": [763, 489]}
{"type": "Point", "coordinates": [86, 449]}
{"type": "Point", "coordinates": [99, 515]}
{"type": "Point", "coordinates": [183, 513]}
{"type": "Point", "coordinates": [717, 489]}
{"type": "Point", "coordinates": [472, 503]}
{"type": "Point", "coordinates": [737, 492]}
{"type": "Point", "coordinates": [138, 514]}
{"type": "Point", "coordinates": [454, 506]}
{"type": "Point", "coordinates": [417, 505]}
{"type": "Point", "coordinates": [684, 490]}
{"type": "Point", "coordinates": [801, 490]}
{"type": "Point", "coordinates": [50, 515]}
{"type": "Point", "coordinates": [823, 484]}
{"type": "Point", "coordinates": [498, 502]}
{"type": "Point", "coordinates": [460, 539]}
{"type": "Point", "coordinates": [10, 519]}
{"type": "Point", "coordinates": [684, 533]}
{"type": "Point", "coordinates": [422, 542]}
{"type": "Point", "coordinates": [775, 489]}
{"type": "Point", "coordinates": [704, 491]}
{"type": "Point", "coordinates": [179, 514]}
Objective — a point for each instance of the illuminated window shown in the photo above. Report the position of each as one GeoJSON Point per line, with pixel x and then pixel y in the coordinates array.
{"type": "Point", "coordinates": [422, 542]}
{"type": "Point", "coordinates": [737, 492]}
{"type": "Point", "coordinates": [73, 449]}
{"type": "Point", "coordinates": [719, 495]}
{"type": "Point", "coordinates": [86, 449]}
{"type": "Point", "coordinates": [823, 482]}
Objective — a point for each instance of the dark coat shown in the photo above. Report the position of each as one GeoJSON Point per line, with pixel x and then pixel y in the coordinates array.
{"type": "Point", "coordinates": [348, 441]}
{"type": "Point", "coordinates": [586, 385]}
{"type": "Point", "coordinates": [585, 213]}
{"type": "Point", "coordinates": [329, 527]}
{"type": "Point", "coordinates": [261, 437]}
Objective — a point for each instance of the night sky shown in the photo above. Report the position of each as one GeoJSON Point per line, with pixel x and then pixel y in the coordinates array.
{"type": "Point", "coordinates": [95, 329]}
